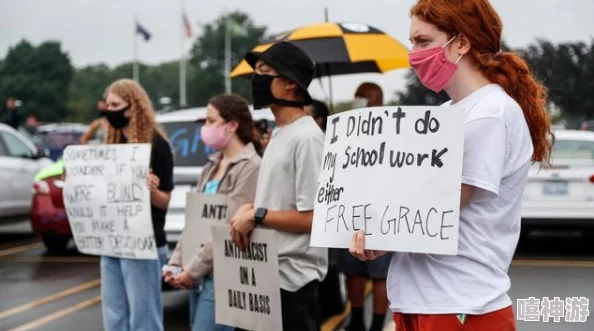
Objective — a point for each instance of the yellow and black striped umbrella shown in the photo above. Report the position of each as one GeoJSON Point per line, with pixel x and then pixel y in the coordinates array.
{"type": "Point", "coordinates": [341, 48]}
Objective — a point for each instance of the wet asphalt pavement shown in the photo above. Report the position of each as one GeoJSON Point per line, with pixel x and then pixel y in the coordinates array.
{"type": "Point", "coordinates": [40, 291]}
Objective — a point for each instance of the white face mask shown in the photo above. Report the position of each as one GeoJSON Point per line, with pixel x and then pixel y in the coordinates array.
{"type": "Point", "coordinates": [360, 103]}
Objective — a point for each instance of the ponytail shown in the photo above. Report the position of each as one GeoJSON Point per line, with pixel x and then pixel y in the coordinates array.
{"type": "Point", "coordinates": [512, 73]}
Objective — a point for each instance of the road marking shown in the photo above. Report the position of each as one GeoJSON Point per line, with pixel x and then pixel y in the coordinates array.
{"type": "Point", "coordinates": [554, 263]}
{"type": "Point", "coordinates": [20, 249]}
{"type": "Point", "coordinates": [17, 243]}
{"type": "Point", "coordinates": [51, 298]}
{"type": "Point", "coordinates": [335, 321]}
{"type": "Point", "coordinates": [59, 314]}
{"type": "Point", "coordinates": [51, 259]}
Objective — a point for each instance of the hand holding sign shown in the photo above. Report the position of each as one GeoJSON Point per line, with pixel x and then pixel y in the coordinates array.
{"type": "Point", "coordinates": [184, 280]}
{"type": "Point", "coordinates": [395, 174]}
{"type": "Point", "coordinates": [152, 181]}
{"type": "Point", "coordinates": [242, 225]}
{"type": "Point", "coordinates": [357, 248]}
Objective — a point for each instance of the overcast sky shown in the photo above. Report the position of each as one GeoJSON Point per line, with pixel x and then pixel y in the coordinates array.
{"type": "Point", "coordinates": [94, 31]}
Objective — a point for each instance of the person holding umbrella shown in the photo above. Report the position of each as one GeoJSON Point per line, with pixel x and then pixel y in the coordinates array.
{"type": "Point", "coordinates": [457, 48]}
{"type": "Point", "coordinates": [287, 182]}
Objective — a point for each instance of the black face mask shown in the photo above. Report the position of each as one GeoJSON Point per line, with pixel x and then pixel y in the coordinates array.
{"type": "Point", "coordinates": [117, 119]}
{"type": "Point", "coordinates": [102, 113]}
{"type": "Point", "coordinates": [262, 94]}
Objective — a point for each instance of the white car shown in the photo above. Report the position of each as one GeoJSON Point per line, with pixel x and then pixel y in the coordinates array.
{"type": "Point", "coordinates": [563, 194]}
{"type": "Point", "coordinates": [20, 161]}
{"type": "Point", "coordinates": [190, 155]}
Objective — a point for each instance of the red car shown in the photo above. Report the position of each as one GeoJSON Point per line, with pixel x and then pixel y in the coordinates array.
{"type": "Point", "coordinates": [48, 215]}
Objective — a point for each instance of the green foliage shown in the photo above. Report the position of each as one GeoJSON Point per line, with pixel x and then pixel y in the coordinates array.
{"type": "Point", "coordinates": [567, 70]}
{"type": "Point", "coordinates": [207, 58]}
{"type": "Point", "coordinates": [40, 76]}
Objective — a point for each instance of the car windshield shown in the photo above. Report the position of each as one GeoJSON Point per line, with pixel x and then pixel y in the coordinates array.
{"type": "Point", "coordinates": [57, 139]}
{"type": "Point", "coordinates": [188, 147]}
{"type": "Point", "coordinates": [573, 150]}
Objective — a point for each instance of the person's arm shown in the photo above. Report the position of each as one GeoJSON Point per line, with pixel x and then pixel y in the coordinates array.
{"type": "Point", "coordinates": [160, 178]}
{"type": "Point", "coordinates": [289, 220]}
{"type": "Point", "coordinates": [485, 154]}
{"type": "Point", "coordinates": [160, 198]}
{"type": "Point", "coordinates": [90, 131]}
{"type": "Point", "coordinates": [175, 260]}
{"type": "Point", "coordinates": [244, 188]}
{"type": "Point", "coordinates": [466, 195]}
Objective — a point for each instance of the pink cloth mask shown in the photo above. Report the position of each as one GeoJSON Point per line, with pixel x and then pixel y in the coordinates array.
{"type": "Point", "coordinates": [215, 136]}
{"type": "Point", "coordinates": [433, 67]}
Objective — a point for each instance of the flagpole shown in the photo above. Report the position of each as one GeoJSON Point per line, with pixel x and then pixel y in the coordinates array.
{"type": "Point", "coordinates": [135, 52]}
{"type": "Point", "coordinates": [328, 69]}
{"type": "Point", "coordinates": [227, 56]}
{"type": "Point", "coordinates": [182, 62]}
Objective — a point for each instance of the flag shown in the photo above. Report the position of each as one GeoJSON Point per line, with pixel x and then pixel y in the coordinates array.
{"type": "Point", "coordinates": [143, 31]}
{"type": "Point", "coordinates": [236, 28]}
{"type": "Point", "coordinates": [187, 25]}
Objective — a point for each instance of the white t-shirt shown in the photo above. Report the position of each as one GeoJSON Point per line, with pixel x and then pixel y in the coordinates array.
{"type": "Point", "coordinates": [497, 156]}
{"type": "Point", "coordinates": [288, 180]}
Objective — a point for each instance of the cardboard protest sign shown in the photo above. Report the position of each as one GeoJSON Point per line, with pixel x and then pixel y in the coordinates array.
{"type": "Point", "coordinates": [107, 200]}
{"type": "Point", "coordinates": [395, 173]}
{"type": "Point", "coordinates": [247, 285]}
{"type": "Point", "coordinates": [202, 212]}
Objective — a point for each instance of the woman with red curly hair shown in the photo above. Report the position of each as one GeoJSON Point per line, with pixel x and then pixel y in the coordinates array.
{"type": "Point", "coordinates": [130, 288]}
{"type": "Point", "coordinates": [456, 47]}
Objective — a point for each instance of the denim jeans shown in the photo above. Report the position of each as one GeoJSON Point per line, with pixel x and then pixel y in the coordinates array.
{"type": "Point", "coordinates": [202, 307]}
{"type": "Point", "coordinates": [131, 293]}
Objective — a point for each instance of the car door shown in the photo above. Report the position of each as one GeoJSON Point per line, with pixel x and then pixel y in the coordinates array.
{"type": "Point", "coordinates": [18, 167]}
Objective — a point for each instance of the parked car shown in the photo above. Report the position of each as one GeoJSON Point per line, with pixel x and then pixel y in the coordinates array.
{"type": "Point", "coordinates": [20, 160]}
{"type": "Point", "coordinates": [48, 214]}
{"type": "Point", "coordinates": [562, 194]}
{"type": "Point", "coordinates": [55, 137]}
{"type": "Point", "coordinates": [183, 128]}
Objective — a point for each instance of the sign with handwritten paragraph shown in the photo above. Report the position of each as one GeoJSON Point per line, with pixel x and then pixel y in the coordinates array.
{"type": "Point", "coordinates": [394, 173]}
{"type": "Point", "coordinates": [107, 200]}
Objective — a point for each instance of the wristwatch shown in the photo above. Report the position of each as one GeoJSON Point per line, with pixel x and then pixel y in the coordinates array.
{"type": "Point", "coordinates": [259, 215]}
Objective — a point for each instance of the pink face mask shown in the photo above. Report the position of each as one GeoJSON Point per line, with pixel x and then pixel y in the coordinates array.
{"type": "Point", "coordinates": [215, 136]}
{"type": "Point", "coordinates": [433, 67]}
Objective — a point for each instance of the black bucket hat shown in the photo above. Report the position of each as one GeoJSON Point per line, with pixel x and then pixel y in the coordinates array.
{"type": "Point", "coordinates": [290, 61]}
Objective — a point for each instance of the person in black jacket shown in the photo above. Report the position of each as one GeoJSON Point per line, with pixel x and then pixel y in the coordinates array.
{"type": "Point", "coordinates": [12, 118]}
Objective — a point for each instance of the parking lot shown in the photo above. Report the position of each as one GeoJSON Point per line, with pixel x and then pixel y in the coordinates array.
{"type": "Point", "coordinates": [41, 291]}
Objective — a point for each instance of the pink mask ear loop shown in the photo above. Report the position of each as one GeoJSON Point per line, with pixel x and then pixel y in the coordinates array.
{"type": "Point", "coordinates": [449, 42]}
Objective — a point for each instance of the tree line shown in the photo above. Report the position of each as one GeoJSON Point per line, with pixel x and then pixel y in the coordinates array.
{"type": "Point", "coordinates": [42, 76]}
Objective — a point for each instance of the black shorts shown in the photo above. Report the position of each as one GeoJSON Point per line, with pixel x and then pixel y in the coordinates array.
{"type": "Point", "coordinates": [300, 309]}
{"type": "Point", "coordinates": [375, 269]}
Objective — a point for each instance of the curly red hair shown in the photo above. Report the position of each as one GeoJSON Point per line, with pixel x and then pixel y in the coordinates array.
{"type": "Point", "coordinates": [478, 21]}
{"type": "Point", "coordinates": [142, 124]}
